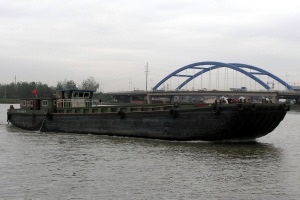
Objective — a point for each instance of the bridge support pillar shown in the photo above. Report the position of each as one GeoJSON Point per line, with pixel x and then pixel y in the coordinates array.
{"type": "Point", "coordinates": [172, 99]}
{"type": "Point", "coordinates": [149, 101]}
{"type": "Point", "coordinates": [130, 99]}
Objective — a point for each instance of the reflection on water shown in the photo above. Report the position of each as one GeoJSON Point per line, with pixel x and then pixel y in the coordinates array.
{"type": "Point", "coordinates": [38, 165]}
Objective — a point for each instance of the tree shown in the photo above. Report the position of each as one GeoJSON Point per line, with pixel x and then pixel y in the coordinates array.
{"type": "Point", "coordinates": [26, 88]}
{"type": "Point", "coordinates": [44, 90]}
{"type": "Point", "coordinates": [66, 85]}
{"type": "Point", "coordinates": [90, 84]}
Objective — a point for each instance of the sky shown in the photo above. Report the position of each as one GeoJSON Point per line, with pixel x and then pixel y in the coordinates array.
{"type": "Point", "coordinates": [113, 40]}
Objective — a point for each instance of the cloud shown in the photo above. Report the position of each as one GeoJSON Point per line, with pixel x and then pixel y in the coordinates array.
{"type": "Point", "coordinates": [113, 40]}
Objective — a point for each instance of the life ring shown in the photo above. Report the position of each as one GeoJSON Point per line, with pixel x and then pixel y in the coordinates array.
{"type": "Point", "coordinates": [121, 115]}
{"type": "Point", "coordinates": [174, 113]}
{"type": "Point", "coordinates": [284, 106]}
{"type": "Point", "coordinates": [240, 107]}
{"type": "Point", "coordinates": [253, 107]}
{"type": "Point", "coordinates": [215, 109]}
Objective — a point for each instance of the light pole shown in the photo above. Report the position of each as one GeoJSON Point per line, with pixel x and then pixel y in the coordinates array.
{"type": "Point", "coordinates": [147, 72]}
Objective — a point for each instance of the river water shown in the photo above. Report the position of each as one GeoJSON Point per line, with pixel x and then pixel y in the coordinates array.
{"type": "Point", "coordinates": [36, 165]}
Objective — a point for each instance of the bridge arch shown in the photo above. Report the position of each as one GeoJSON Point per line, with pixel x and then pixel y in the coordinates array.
{"type": "Point", "coordinates": [263, 72]}
{"type": "Point", "coordinates": [215, 65]}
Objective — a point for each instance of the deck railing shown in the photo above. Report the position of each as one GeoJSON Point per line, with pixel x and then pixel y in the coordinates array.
{"type": "Point", "coordinates": [73, 103]}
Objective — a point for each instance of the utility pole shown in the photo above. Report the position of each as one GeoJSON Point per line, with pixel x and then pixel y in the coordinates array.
{"type": "Point", "coordinates": [147, 72]}
{"type": "Point", "coordinates": [130, 84]}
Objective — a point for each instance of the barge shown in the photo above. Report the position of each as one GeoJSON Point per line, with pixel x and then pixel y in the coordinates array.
{"type": "Point", "coordinates": [75, 111]}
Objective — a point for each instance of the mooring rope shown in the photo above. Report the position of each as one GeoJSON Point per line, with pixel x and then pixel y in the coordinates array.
{"type": "Point", "coordinates": [42, 124]}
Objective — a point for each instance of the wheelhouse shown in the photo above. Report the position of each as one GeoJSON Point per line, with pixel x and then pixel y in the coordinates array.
{"type": "Point", "coordinates": [74, 98]}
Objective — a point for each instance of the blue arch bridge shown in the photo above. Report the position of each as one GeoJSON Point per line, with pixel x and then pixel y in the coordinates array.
{"type": "Point", "coordinates": [201, 68]}
{"type": "Point", "coordinates": [204, 67]}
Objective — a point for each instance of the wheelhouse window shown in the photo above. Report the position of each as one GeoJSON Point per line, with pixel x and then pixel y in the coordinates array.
{"type": "Point", "coordinates": [75, 94]}
{"type": "Point", "coordinates": [81, 95]}
{"type": "Point", "coordinates": [86, 94]}
{"type": "Point", "coordinates": [31, 102]}
{"type": "Point", "coordinates": [24, 103]}
{"type": "Point", "coordinates": [45, 103]}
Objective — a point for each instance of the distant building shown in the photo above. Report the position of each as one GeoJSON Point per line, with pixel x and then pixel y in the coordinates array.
{"type": "Point", "coordinates": [238, 89]}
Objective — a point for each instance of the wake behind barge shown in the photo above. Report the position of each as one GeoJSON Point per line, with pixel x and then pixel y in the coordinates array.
{"type": "Point", "coordinates": [73, 111]}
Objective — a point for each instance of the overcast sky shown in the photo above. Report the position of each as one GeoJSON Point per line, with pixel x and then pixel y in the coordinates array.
{"type": "Point", "coordinates": [112, 40]}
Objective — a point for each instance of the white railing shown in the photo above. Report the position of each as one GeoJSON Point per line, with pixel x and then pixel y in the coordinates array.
{"type": "Point", "coordinates": [73, 103]}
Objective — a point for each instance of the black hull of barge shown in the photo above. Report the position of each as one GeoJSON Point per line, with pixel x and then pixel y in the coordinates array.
{"type": "Point", "coordinates": [219, 122]}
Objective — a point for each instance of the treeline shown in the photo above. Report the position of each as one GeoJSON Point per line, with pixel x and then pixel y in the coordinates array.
{"type": "Point", "coordinates": [24, 89]}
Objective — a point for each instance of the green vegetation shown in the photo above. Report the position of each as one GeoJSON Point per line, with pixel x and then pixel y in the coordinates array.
{"type": "Point", "coordinates": [11, 93]}
{"type": "Point", "coordinates": [24, 90]}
